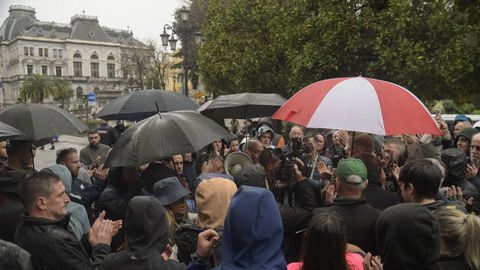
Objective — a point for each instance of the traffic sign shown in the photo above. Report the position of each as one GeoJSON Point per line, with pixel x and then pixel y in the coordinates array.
{"type": "Point", "coordinates": [91, 99]}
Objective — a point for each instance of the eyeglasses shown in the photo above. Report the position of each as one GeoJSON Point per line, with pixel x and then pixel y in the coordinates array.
{"type": "Point", "coordinates": [476, 147]}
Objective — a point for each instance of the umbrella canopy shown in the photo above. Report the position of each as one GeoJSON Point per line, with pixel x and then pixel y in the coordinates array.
{"type": "Point", "coordinates": [41, 122]}
{"type": "Point", "coordinates": [359, 104]}
{"type": "Point", "coordinates": [9, 132]}
{"type": "Point", "coordinates": [245, 105]}
{"type": "Point", "coordinates": [163, 135]}
{"type": "Point", "coordinates": [142, 104]}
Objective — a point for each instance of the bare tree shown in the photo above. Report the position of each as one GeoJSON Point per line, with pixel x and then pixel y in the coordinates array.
{"type": "Point", "coordinates": [159, 67]}
{"type": "Point", "coordinates": [136, 61]}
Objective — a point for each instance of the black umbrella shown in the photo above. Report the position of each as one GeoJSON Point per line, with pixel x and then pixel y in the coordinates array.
{"type": "Point", "coordinates": [242, 106]}
{"type": "Point", "coordinates": [41, 122]}
{"type": "Point", "coordinates": [142, 104]}
{"type": "Point", "coordinates": [163, 135]}
{"type": "Point", "coordinates": [9, 132]}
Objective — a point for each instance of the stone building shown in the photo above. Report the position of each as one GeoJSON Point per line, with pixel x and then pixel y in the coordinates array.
{"type": "Point", "coordinates": [92, 58]}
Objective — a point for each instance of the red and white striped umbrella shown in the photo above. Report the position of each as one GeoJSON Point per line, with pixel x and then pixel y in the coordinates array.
{"type": "Point", "coordinates": [359, 104]}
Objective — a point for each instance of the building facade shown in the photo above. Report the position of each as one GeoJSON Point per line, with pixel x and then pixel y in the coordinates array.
{"type": "Point", "coordinates": [90, 57]}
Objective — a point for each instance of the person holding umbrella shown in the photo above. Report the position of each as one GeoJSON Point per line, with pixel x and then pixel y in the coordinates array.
{"type": "Point", "coordinates": [20, 164]}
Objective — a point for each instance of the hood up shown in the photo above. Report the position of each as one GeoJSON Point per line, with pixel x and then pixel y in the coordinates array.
{"type": "Point", "coordinates": [213, 198]}
{"type": "Point", "coordinates": [64, 174]}
{"type": "Point", "coordinates": [456, 162]}
{"type": "Point", "coordinates": [253, 232]}
{"type": "Point", "coordinates": [146, 226]}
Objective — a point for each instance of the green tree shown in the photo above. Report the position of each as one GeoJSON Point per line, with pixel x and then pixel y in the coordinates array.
{"type": "Point", "coordinates": [241, 53]}
{"type": "Point", "coordinates": [37, 87]}
{"type": "Point", "coordinates": [61, 90]}
{"type": "Point", "coordinates": [430, 47]}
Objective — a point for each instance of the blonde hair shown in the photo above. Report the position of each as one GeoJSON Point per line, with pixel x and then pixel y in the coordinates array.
{"type": "Point", "coordinates": [460, 234]}
{"type": "Point", "coordinates": [172, 225]}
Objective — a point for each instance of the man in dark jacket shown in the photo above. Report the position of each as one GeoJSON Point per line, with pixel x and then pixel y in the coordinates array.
{"type": "Point", "coordinates": [473, 172]}
{"type": "Point", "coordinates": [123, 185]}
{"type": "Point", "coordinates": [11, 176]}
{"type": "Point", "coordinates": [147, 237]}
{"type": "Point", "coordinates": [456, 162]}
{"type": "Point", "coordinates": [81, 192]}
{"type": "Point", "coordinates": [408, 238]}
{"type": "Point", "coordinates": [43, 232]}
{"type": "Point", "coordinates": [419, 182]}
{"type": "Point", "coordinates": [108, 135]}
{"type": "Point", "coordinates": [358, 216]}
{"type": "Point", "coordinates": [376, 196]}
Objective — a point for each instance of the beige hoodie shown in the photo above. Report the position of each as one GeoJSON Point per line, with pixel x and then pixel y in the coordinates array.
{"type": "Point", "coordinates": [213, 198]}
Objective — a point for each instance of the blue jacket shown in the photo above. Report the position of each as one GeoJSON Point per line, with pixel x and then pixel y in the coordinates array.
{"type": "Point", "coordinates": [253, 233]}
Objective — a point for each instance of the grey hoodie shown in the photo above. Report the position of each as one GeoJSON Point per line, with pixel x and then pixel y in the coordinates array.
{"type": "Point", "coordinates": [79, 224]}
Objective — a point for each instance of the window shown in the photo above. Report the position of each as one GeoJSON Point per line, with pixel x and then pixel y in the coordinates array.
{"type": "Point", "coordinates": [40, 51]}
{"type": "Point", "coordinates": [25, 51]}
{"type": "Point", "coordinates": [60, 53]}
{"type": "Point", "coordinates": [54, 53]}
{"type": "Point", "coordinates": [45, 52]}
{"type": "Point", "coordinates": [125, 74]}
{"type": "Point", "coordinates": [111, 71]}
{"type": "Point", "coordinates": [77, 69]}
{"type": "Point", "coordinates": [79, 92]}
{"type": "Point", "coordinates": [29, 69]}
{"type": "Point", "coordinates": [111, 58]}
{"type": "Point", "coordinates": [44, 70]}
{"type": "Point", "coordinates": [77, 55]}
{"type": "Point", "coordinates": [94, 57]}
{"type": "Point", "coordinates": [58, 71]}
{"type": "Point", "coordinates": [31, 51]}
{"type": "Point", "coordinates": [95, 70]}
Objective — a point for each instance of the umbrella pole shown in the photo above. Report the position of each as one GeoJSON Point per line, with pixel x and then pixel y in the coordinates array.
{"type": "Point", "coordinates": [353, 142]}
{"type": "Point", "coordinates": [245, 124]}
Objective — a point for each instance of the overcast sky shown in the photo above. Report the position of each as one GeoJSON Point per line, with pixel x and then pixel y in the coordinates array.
{"type": "Point", "coordinates": [144, 17]}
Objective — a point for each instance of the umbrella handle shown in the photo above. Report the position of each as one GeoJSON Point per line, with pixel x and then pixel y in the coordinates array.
{"type": "Point", "coordinates": [158, 110]}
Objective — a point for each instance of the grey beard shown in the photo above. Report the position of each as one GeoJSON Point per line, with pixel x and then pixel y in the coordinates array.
{"type": "Point", "coordinates": [475, 161]}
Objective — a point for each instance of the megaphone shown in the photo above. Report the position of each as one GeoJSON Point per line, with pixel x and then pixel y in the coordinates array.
{"type": "Point", "coordinates": [235, 162]}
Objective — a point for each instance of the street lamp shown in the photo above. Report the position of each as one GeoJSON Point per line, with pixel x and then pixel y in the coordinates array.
{"type": "Point", "coordinates": [183, 31]}
{"type": "Point", "coordinates": [184, 12]}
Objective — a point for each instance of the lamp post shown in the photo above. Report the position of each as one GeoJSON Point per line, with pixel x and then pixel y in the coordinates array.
{"type": "Point", "coordinates": [170, 40]}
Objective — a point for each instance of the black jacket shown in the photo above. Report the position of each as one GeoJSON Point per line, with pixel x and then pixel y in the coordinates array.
{"type": "Point", "coordinates": [114, 201]}
{"type": "Point", "coordinates": [52, 246]}
{"type": "Point", "coordinates": [456, 263]}
{"type": "Point", "coordinates": [359, 218]}
{"type": "Point", "coordinates": [456, 162]}
{"type": "Point", "coordinates": [147, 235]}
{"type": "Point", "coordinates": [11, 209]}
{"type": "Point", "coordinates": [186, 240]}
{"type": "Point", "coordinates": [408, 238]}
{"type": "Point", "coordinates": [379, 198]}
{"type": "Point", "coordinates": [108, 135]}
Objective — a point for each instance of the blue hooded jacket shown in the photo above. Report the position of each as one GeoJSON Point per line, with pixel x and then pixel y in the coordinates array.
{"type": "Point", "coordinates": [253, 233]}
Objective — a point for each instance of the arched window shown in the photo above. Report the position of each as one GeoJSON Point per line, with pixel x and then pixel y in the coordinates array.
{"type": "Point", "coordinates": [94, 57]}
{"type": "Point", "coordinates": [111, 58]}
{"type": "Point", "coordinates": [77, 55]}
{"type": "Point", "coordinates": [79, 93]}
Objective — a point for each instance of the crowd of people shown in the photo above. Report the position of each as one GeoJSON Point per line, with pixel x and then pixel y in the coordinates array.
{"type": "Point", "coordinates": [313, 199]}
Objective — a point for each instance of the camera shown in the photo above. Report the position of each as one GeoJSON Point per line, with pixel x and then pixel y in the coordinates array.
{"type": "Point", "coordinates": [338, 154]}
{"type": "Point", "coordinates": [296, 152]}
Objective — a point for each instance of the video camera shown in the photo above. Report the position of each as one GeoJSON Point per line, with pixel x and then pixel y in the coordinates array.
{"type": "Point", "coordinates": [297, 152]}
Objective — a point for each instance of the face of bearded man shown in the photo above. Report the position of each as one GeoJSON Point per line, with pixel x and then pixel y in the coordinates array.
{"type": "Point", "coordinates": [93, 140]}
{"type": "Point", "coordinates": [475, 149]}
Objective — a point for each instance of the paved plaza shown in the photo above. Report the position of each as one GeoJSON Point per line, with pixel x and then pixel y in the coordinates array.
{"type": "Point", "coordinates": [46, 157]}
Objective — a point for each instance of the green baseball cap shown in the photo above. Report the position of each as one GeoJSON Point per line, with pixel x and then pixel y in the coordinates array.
{"type": "Point", "coordinates": [352, 171]}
